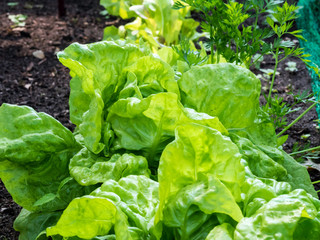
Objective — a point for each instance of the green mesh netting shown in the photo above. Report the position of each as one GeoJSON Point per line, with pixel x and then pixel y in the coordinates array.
{"type": "Point", "coordinates": [309, 21]}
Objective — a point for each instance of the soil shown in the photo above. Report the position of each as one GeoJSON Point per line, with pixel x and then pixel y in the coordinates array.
{"type": "Point", "coordinates": [44, 83]}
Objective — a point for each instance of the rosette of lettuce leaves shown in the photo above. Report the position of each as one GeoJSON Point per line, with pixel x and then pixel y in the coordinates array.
{"type": "Point", "coordinates": [156, 154]}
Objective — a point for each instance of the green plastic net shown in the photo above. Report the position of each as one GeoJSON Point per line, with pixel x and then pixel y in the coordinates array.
{"type": "Point", "coordinates": [309, 21]}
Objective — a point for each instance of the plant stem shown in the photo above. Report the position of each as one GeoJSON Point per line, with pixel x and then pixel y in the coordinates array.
{"type": "Point", "coordinates": [297, 119]}
{"type": "Point", "coordinates": [211, 39]}
{"type": "Point", "coordinates": [273, 76]}
{"type": "Point", "coordinates": [316, 182]}
{"type": "Point", "coordinates": [237, 54]}
{"type": "Point", "coordinates": [256, 20]}
{"type": "Point", "coordinates": [255, 60]}
{"type": "Point", "coordinates": [306, 150]}
{"type": "Point", "coordinates": [218, 56]}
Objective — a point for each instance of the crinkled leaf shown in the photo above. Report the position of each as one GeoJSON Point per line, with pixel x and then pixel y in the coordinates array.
{"type": "Point", "coordinates": [156, 22]}
{"type": "Point", "coordinates": [189, 212]}
{"type": "Point", "coordinates": [222, 232]}
{"type": "Point", "coordinates": [88, 217]}
{"type": "Point", "coordinates": [224, 90]}
{"type": "Point", "coordinates": [88, 168]}
{"type": "Point", "coordinates": [35, 153]}
{"type": "Point", "coordinates": [201, 151]}
{"type": "Point", "coordinates": [27, 136]}
{"type": "Point", "coordinates": [163, 21]}
{"type": "Point", "coordinates": [258, 191]}
{"type": "Point", "coordinates": [153, 76]}
{"type": "Point", "coordinates": [168, 55]}
{"type": "Point", "coordinates": [120, 8]}
{"type": "Point", "coordinates": [95, 69]}
{"type": "Point", "coordinates": [137, 197]}
{"type": "Point", "coordinates": [111, 33]}
{"type": "Point", "coordinates": [280, 218]}
{"type": "Point", "coordinates": [259, 163]}
{"type": "Point", "coordinates": [261, 132]}
{"type": "Point", "coordinates": [149, 124]}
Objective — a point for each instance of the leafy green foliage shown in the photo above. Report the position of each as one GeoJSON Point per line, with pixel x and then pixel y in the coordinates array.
{"type": "Point", "coordinates": [291, 67]}
{"type": "Point", "coordinates": [18, 20]}
{"type": "Point", "coordinates": [158, 153]}
{"type": "Point", "coordinates": [278, 109]}
{"type": "Point", "coordinates": [120, 8]}
{"type": "Point", "coordinates": [303, 152]}
{"type": "Point", "coordinates": [191, 56]}
{"type": "Point", "coordinates": [155, 22]}
{"type": "Point", "coordinates": [230, 37]}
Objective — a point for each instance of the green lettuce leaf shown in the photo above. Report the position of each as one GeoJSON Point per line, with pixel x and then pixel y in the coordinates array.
{"type": "Point", "coordinates": [201, 151]}
{"type": "Point", "coordinates": [28, 136]}
{"type": "Point", "coordinates": [89, 169]}
{"type": "Point", "coordinates": [261, 132]}
{"type": "Point", "coordinates": [222, 232]}
{"type": "Point", "coordinates": [88, 217]}
{"type": "Point", "coordinates": [270, 162]}
{"type": "Point", "coordinates": [33, 225]}
{"type": "Point", "coordinates": [152, 76]}
{"type": "Point", "coordinates": [120, 8]}
{"type": "Point", "coordinates": [281, 217]}
{"type": "Point", "coordinates": [298, 176]}
{"type": "Point", "coordinates": [164, 22]}
{"type": "Point", "coordinates": [260, 164]}
{"type": "Point", "coordinates": [190, 214]}
{"type": "Point", "coordinates": [258, 191]}
{"type": "Point", "coordinates": [224, 90]}
{"type": "Point", "coordinates": [138, 199]}
{"type": "Point", "coordinates": [34, 155]}
{"type": "Point", "coordinates": [168, 55]}
{"type": "Point", "coordinates": [149, 124]}
{"type": "Point", "coordinates": [156, 22]}
{"type": "Point", "coordinates": [95, 69]}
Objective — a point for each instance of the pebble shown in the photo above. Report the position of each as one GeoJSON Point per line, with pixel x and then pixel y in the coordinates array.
{"type": "Point", "coordinates": [38, 54]}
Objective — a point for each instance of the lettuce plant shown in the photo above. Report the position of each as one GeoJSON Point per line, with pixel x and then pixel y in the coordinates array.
{"type": "Point", "coordinates": [154, 21]}
{"type": "Point", "coordinates": [161, 150]}
{"type": "Point", "coordinates": [120, 8]}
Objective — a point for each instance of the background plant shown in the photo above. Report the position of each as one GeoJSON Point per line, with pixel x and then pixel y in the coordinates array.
{"type": "Point", "coordinates": [19, 20]}
{"type": "Point", "coordinates": [154, 21]}
{"type": "Point", "coordinates": [235, 35]}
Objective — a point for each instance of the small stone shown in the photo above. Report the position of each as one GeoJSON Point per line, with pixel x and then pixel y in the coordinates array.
{"type": "Point", "coordinates": [3, 209]}
{"type": "Point", "coordinates": [38, 54]}
{"type": "Point", "coordinates": [27, 86]}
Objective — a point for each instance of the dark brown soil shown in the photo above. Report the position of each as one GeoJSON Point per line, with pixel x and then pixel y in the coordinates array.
{"type": "Point", "coordinates": [44, 83]}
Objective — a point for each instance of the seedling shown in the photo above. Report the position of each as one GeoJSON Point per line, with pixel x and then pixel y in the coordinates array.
{"type": "Point", "coordinates": [278, 111]}
{"type": "Point", "coordinates": [291, 67]}
{"type": "Point", "coordinates": [268, 73]}
{"type": "Point", "coordinates": [18, 20]}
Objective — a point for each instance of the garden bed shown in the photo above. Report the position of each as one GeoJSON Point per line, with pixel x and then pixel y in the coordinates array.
{"type": "Point", "coordinates": [43, 83]}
